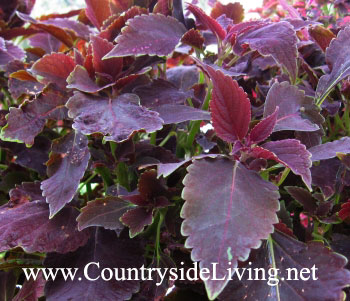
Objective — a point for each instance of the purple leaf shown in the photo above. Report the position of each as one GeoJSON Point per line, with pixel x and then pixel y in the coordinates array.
{"type": "Point", "coordinates": [337, 58]}
{"type": "Point", "coordinates": [325, 175]}
{"type": "Point", "coordinates": [104, 212]}
{"type": "Point", "coordinates": [33, 157]}
{"type": "Point", "coordinates": [54, 68]}
{"type": "Point", "coordinates": [27, 121]}
{"type": "Point", "coordinates": [31, 290]}
{"type": "Point", "coordinates": [276, 39]}
{"type": "Point", "coordinates": [304, 197]}
{"type": "Point", "coordinates": [330, 149]}
{"type": "Point", "coordinates": [28, 225]}
{"type": "Point", "coordinates": [183, 77]}
{"type": "Point", "coordinates": [161, 92]}
{"type": "Point", "coordinates": [46, 42]}
{"type": "Point", "coordinates": [9, 52]}
{"type": "Point", "coordinates": [115, 118]}
{"type": "Point", "coordinates": [107, 250]}
{"type": "Point", "coordinates": [80, 79]}
{"type": "Point", "coordinates": [69, 158]}
{"type": "Point", "coordinates": [296, 111]}
{"type": "Point", "coordinates": [178, 113]}
{"type": "Point", "coordinates": [292, 154]}
{"type": "Point", "coordinates": [230, 107]}
{"type": "Point", "coordinates": [152, 34]}
{"type": "Point", "coordinates": [237, 211]}
{"type": "Point", "coordinates": [263, 129]}
{"type": "Point", "coordinates": [289, 253]}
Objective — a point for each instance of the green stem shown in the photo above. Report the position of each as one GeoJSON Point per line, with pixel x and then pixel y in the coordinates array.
{"type": "Point", "coordinates": [153, 138]}
{"type": "Point", "coordinates": [166, 139]}
{"type": "Point", "coordinates": [106, 176]}
{"type": "Point", "coordinates": [87, 181]}
{"type": "Point", "coordinates": [273, 261]}
{"type": "Point", "coordinates": [284, 176]}
{"type": "Point", "coordinates": [160, 222]}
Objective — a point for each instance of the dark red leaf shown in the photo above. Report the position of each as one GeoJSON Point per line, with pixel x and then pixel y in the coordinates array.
{"type": "Point", "coordinates": [152, 34]}
{"type": "Point", "coordinates": [28, 226]}
{"type": "Point", "coordinates": [230, 107]}
{"type": "Point", "coordinates": [304, 197]}
{"type": "Point", "coordinates": [108, 251]}
{"type": "Point", "coordinates": [263, 129]}
{"type": "Point", "coordinates": [344, 212]}
{"type": "Point", "coordinates": [80, 29]}
{"type": "Point", "coordinates": [207, 21]}
{"type": "Point", "coordinates": [237, 204]}
{"type": "Point", "coordinates": [97, 11]}
{"type": "Point", "coordinates": [322, 36]}
{"type": "Point", "coordinates": [100, 47]}
{"type": "Point", "coordinates": [234, 11]}
{"type": "Point", "coordinates": [104, 212]}
{"type": "Point", "coordinates": [54, 68]}
{"type": "Point", "coordinates": [116, 118]}
{"type": "Point", "coordinates": [80, 79]}
{"type": "Point", "coordinates": [136, 219]}
{"type": "Point", "coordinates": [193, 38]}
{"type": "Point", "coordinates": [59, 33]}
{"type": "Point", "coordinates": [69, 158]}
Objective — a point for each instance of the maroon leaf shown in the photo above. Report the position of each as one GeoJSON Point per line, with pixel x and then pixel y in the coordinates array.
{"type": "Point", "coordinates": [304, 197]}
{"type": "Point", "coordinates": [136, 219]}
{"type": "Point", "coordinates": [193, 38]}
{"type": "Point", "coordinates": [100, 47]}
{"type": "Point", "coordinates": [296, 111]}
{"type": "Point", "coordinates": [292, 154]}
{"type": "Point", "coordinates": [31, 290]}
{"type": "Point", "coordinates": [337, 57]}
{"type": "Point", "coordinates": [289, 253]}
{"type": "Point", "coordinates": [46, 42]}
{"type": "Point", "coordinates": [24, 193]}
{"type": "Point", "coordinates": [97, 11]}
{"type": "Point", "coordinates": [276, 39]}
{"type": "Point", "coordinates": [207, 21]}
{"type": "Point", "coordinates": [263, 129]}
{"type": "Point", "coordinates": [105, 249]}
{"type": "Point", "coordinates": [54, 68]}
{"type": "Point", "coordinates": [330, 149]}
{"type": "Point", "coordinates": [9, 52]}
{"type": "Point", "coordinates": [322, 36]}
{"type": "Point", "coordinates": [104, 212]}
{"type": "Point", "coordinates": [116, 118]}
{"type": "Point", "coordinates": [59, 33]}
{"type": "Point", "coordinates": [80, 29]}
{"type": "Point", "coordinates": [28, 226]}
{"type": "Point", "coordinates": [152, 34]}
{"type": "Point", "coordinates": [69, 158]}
{"type": "Point", "coordinates": [230, 107]}
{"type": "Point", "coordinates": [183, 77]}
{"type": "Point", "coordinates": [237, 211]}
{"type": "Point", "coordinates": [233, 11]}
{"type": "Point", "coordinates": [8, 281]}
{"type": "Point", "coordinates": [27, 121]}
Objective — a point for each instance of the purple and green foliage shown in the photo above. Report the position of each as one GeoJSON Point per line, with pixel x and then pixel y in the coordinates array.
{"type": "Point", "coordinates": [156, 134]}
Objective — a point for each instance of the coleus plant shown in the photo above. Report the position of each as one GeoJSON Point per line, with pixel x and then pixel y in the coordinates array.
{"type": "Point", "coordinates": [145, 133]}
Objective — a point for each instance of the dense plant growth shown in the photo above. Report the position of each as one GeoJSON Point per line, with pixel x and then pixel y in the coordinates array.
{"type": "Point", "coordinates": [145, 133]}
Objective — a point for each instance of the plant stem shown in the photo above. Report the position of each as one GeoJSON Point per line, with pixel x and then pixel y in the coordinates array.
{"type": "Point", "coordinates": [166, 139]}
{"type": "Point", "coordinates": [160, 222]}
{"type": "Point", "coordinates": [284, 176]}
{"type": "Point", "coordinates": [273, 261]}
{"type": "Point", "coordinates": [153, 138]}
